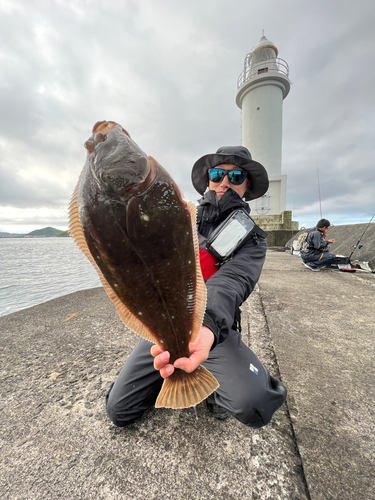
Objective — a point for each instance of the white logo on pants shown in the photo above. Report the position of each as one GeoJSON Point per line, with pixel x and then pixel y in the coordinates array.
{"type": "Point", "coordinates": [253, 368]}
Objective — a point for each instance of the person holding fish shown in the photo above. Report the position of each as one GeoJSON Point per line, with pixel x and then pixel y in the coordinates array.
{"type": "Point", "coordinates": [243, 387]}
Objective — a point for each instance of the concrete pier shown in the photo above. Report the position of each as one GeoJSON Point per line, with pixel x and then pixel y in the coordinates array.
{"type": "Point", "coordinates": [314, 330]}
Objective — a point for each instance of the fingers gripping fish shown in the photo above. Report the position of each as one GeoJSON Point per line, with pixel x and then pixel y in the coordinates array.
{"type": "Point", "coordinates": [129, 218]}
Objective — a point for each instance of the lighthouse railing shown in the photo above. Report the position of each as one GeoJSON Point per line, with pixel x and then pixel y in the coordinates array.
{"type": "Point", "coordinates": [274, 65]}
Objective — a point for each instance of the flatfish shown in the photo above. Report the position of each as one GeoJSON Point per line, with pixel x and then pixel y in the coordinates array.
{"type": "Point", "coordinates": [130, 219]}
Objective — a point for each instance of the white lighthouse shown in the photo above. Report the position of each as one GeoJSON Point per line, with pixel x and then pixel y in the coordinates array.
{"type": "Point", "coordinates": [261, 88]}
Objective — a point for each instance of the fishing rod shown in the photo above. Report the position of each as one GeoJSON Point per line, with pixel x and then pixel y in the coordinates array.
{"type": "Point", "coordinates": [358, 242]}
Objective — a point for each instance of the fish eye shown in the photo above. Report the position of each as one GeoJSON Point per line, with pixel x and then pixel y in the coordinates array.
{"type": "Point", "coordinates": [100, 137]}
{"type": "Point", "coordinates": [89, 145]}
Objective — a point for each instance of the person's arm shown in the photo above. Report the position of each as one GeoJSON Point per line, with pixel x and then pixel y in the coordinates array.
{"type": "Point", "coordinates": [325, 232]}
{"type": "Point", "coordinates": [232, 285]}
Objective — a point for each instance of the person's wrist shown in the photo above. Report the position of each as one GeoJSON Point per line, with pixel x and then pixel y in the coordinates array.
{"type": "Point", "coordinates": [209, 334]}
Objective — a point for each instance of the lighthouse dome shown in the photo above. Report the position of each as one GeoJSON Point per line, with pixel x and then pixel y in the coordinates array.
{"type": "Point", "coordinates": [263, 51]}
{"type": "Point", "coordinates": [263, 63]}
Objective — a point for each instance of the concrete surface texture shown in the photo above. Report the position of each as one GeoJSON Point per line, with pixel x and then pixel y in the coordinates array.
{"type": "Point", "coordinates": [323, 331]}
{"type": "Point", "coordinates": [314, 330]}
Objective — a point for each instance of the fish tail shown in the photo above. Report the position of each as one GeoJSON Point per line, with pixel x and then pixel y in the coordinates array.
{"type": "Point", "coordinates": [182, 389]}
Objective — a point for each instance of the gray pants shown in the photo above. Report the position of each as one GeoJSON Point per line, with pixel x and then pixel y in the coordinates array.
{"type": "Point", "coordinates": [247, 390]}
{"type": "Point", "coordinates": [320, 259]}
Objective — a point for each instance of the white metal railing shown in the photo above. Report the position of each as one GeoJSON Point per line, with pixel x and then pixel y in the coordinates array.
{"type": "Point", "coordinates": [270, 65]}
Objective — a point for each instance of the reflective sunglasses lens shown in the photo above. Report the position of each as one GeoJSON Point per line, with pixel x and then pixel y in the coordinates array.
{"type": "Point", "coordinates": [217, 174]}
{"type": "Point", "coordinates": [236, 177]}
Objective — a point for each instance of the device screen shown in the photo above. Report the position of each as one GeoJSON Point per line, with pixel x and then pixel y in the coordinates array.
{"type": "Point", "coordinates": [229, 238]}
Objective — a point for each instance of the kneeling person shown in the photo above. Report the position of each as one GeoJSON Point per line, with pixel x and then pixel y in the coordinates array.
{"type": "Point", "coordinates": [316, 255]}
{"type": "Point", "coordinates": [247, 390]}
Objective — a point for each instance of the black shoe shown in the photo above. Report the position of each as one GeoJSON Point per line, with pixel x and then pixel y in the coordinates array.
{"type": "Point", "coordinates": [217, 411]}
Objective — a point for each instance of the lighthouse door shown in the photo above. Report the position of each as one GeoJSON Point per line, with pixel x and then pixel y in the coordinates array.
{"type": "Point", "coordinates": [263, 204]}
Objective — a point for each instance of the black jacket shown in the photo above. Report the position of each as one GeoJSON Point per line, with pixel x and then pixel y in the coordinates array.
{"type": "Point", "coordinates": [236, 278]}
{"type": "Point", "coordinates": [316, 242]}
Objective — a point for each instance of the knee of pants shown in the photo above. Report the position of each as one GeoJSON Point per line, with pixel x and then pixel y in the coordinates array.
{"type": "Point", "coordinates": [258, 413]}
{"type": "Point", "coordinates": [118, 413]}
{"type": "Point", "coordinates": [121, 419]}
{"type": "Point", "coordinates": [251, 418]}
{"type": "Point", "coordinates": [331, 257]}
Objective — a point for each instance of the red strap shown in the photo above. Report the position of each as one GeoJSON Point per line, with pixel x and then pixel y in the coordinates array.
{"type": "Point", "coordinates": [207, 264]}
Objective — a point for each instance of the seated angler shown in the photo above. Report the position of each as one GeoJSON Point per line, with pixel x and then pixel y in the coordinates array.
{"type": "Point", "coordinates": [315, 254]}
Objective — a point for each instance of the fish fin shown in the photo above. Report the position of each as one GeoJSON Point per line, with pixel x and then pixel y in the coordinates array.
{"type": "Point", "coordinates": [182, 389]}
{"type": "Point", "coordinates": [76, 231]}
{"type": "Point", "coordinates": [75, 228]}
{"type": "Point", "coordinates": [201, 291]}
{"type": "Point", "coordinates": [127, 317]}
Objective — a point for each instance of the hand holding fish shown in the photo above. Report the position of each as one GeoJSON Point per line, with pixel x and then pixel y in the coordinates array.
{"type": "Point", "coordinates": [199, 350]}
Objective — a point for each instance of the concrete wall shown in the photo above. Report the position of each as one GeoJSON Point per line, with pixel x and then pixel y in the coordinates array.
{"type": "Point", "coordinates": [280, 237]}
{"type": "Point", "coordinates": [271, 222]}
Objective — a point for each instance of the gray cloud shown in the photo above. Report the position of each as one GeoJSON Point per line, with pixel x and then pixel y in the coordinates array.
{"type": "Point", "coordinates": [167, 72]}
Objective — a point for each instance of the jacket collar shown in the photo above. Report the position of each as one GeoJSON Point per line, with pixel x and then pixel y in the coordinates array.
{"type": "Point", "coordinates": [229, 201]}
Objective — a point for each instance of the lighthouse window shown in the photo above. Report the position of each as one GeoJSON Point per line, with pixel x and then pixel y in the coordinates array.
{"type": "Point", "coordinates": [263, 55]}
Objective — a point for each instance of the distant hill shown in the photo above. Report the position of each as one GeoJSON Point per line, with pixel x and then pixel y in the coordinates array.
{"type": "Point", "coordinates": [46, 232]}
{"type": "Point", "coordinates": [10, 235]}
{"type": "Point", "coordinates": [43, 233]}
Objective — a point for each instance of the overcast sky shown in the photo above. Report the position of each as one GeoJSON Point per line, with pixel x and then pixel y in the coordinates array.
{"type": "Point", "coordinates": [167, 71]}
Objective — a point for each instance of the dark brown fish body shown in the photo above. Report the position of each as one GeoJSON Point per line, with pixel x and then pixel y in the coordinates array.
{"type": "Point", "coordinates": [140, 235]}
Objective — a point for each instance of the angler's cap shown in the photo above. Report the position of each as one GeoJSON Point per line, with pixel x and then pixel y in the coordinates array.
{"type": "Point", "coordinates": [238, 155]}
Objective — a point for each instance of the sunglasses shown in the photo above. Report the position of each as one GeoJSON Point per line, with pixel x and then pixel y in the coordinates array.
{"type": "Point", "coordinates": [235, 177]}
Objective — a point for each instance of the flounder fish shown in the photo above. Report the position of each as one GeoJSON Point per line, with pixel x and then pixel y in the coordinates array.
{"type": "Point", "coordinates": [129, 218]}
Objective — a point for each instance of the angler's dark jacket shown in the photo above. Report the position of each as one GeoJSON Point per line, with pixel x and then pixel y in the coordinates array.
{"type": "Point", "coordinates": [231, 285]}
{"type": "Point", "coordinates": [316, 243]}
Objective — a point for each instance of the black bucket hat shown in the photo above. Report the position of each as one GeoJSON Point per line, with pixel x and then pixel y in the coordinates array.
{"type": "Point", "coordinates": [238, 155]}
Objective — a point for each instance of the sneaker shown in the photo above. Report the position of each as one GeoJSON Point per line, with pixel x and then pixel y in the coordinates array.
{"type": "Point", "coordinates": [217, 411]}
{"type": "Point", "coordinates": [311, 267]}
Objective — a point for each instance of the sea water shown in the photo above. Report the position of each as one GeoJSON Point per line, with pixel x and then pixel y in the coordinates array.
{"type": "Point", "coordinates": [34, 270]}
